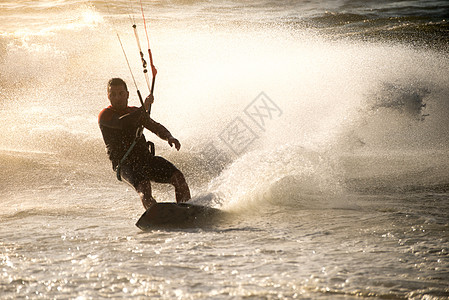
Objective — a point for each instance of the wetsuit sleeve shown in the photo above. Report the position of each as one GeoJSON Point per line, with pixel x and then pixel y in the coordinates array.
{"type": "Point", "coordinates": [157, 128]}
{"type": "Point", "coordinates": [112, 141]}
{"type": "Point", "coordinates": [108, 118]}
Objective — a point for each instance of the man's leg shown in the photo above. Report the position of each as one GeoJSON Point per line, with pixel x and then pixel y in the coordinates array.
{"type": "Point", "coordinates": [144, 190]}
{"type": "Point", "coordinates": [182, 190]}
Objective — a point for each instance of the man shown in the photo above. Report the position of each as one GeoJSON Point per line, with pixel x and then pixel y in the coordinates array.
{"type": "Point", "coordinates": [119, 124]}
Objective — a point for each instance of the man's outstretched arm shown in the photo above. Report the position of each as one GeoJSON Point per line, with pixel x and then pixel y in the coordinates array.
{"type": "Point", "coordinates": [161, 132]}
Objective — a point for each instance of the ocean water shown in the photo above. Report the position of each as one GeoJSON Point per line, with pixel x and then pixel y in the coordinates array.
{"type": "Point", "coordinates": [320, 128]}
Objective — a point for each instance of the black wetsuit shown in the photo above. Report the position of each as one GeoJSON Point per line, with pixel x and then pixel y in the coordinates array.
{"type": "Point", "coordinates": [119, 132]}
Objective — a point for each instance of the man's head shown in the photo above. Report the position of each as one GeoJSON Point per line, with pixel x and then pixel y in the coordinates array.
{"type": "Point", "coordinates": [118, 93]}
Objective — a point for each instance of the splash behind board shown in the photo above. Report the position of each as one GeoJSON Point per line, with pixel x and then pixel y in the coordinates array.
{"type": "Point", "coordinates": [172, 214]}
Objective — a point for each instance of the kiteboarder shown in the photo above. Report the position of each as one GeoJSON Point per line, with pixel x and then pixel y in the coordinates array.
{"type": "Point", "coordinates": [128, 149]}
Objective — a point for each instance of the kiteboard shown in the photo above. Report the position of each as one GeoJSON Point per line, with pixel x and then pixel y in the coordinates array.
{"type": "Point", "coordinates": [173, 214]}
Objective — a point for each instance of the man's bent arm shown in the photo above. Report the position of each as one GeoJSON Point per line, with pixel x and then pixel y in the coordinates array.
{"type": "Point", "coordinates": [157, 129]}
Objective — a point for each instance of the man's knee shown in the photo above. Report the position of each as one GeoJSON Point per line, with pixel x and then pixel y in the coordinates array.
{"type": "Point", "coordinates": [177, 178]}
{"type": "Point", "coordinates": [144, 187]}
